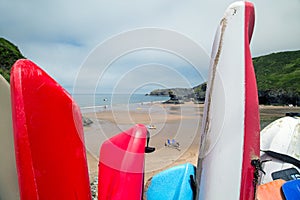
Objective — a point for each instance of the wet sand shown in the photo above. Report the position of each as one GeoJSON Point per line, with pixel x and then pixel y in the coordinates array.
{"type": "Point", "coordinates": [271, 113]}
{"type": "Point", "coordinates": [179, 122]}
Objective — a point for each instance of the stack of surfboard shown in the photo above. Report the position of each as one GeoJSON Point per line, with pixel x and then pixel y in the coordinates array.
{"type": "Point", "coordinates": [43, 155]}
{"type": "Point", "coordinates": [50, 159]}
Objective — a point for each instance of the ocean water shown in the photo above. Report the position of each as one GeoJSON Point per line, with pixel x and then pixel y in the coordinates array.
{"type": "Point", "coordinates": [92, 102]}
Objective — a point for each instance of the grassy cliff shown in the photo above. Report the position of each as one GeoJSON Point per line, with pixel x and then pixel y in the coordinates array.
{"type": "Point", "coordinates": [9, 53]}
{"type": "Point", "coordinates": [278, 77]}
{"type": "Point", "coordinates": [278, 71]}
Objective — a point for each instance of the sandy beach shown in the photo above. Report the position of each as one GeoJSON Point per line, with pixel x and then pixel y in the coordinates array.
{"type": "Point", "coordinates": [180, 122]}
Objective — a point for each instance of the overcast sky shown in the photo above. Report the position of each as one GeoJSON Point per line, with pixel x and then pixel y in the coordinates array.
{"type": "Point", "coordinates": [143, 44]}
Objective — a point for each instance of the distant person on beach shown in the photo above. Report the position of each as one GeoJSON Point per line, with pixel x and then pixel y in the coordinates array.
{"type": "Point", "coordinates": [147, 148]}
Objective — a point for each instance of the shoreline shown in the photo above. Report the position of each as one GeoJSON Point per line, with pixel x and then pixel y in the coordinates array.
{"type": "Point", "coordinates": [181, 122]}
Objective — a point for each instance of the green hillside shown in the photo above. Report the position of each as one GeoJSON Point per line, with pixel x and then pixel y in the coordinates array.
{"type": "Point", "coordinates": [9, 53]}
{"type": "Point", "coordinates": [278, 71]}
{"type": "Point", "coordinates": [278, 77]}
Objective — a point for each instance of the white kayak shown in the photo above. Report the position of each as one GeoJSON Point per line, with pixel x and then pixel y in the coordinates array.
{"type": "Point", "coordinates": [281, 138]}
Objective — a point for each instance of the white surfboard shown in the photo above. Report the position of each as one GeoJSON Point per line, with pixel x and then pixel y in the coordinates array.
{"type": "Point", "coordinates": [230, 128]}
{"type": "Point", "coordinates": [281, 136]}
{"type": "Point", "coordinates": [9, 188]}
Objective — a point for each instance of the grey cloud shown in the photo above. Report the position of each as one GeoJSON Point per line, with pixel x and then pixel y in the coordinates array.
{"type": "Point", "coordinates": [60, 35]}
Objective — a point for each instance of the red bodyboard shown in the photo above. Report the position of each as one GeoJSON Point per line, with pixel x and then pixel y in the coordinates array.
{"type": "Point", "coordinates": [121, 165]}
{"type": "Point", "coordinates": [48, 133]}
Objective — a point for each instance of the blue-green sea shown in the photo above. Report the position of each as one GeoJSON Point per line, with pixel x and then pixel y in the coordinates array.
{"type": "Point", "coordinates": [88, 102]}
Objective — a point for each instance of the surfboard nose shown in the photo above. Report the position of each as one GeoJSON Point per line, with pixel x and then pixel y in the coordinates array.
{"type": "Point", "coordinates": [48, 134]}
{"type": "Point", "coordinates": [121, 165]}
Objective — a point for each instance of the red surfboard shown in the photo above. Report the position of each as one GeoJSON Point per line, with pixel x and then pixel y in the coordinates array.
{"type": "Point", "coordinates": [48, 134]}
{"type": "Point", "coordinates": [121, 165]}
